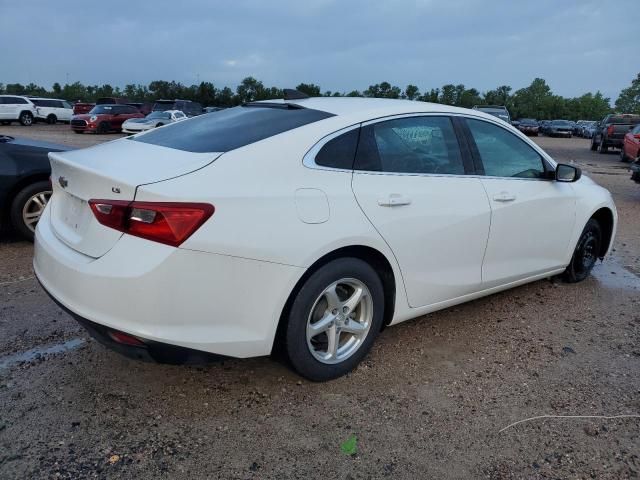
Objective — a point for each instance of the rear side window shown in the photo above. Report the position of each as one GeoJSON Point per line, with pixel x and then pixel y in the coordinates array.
{"type": "Point", "coordinates": [423, 145]}
{"type": "Point", "coordinates": [339, 152]}
{"type": "Point", "coordinates": [503, 154]}
{"type": "Point", "coordinates": [231, 128]}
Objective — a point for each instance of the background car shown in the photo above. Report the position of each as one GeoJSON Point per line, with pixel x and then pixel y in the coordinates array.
{"type": "Point", "coordinates": [499, 111]}
{"type": "Point", "coordinates": [189, 108]}
{"type": "Point", "coordinates": [17, 108]}
{"type": "Point", "coordinates": [307, 226]}
{"type": "Point", "coordinates": [631, 145]}
{"type": "Point", "coordinates": [588, 129]}
{"type": "Point", "coordinates": [104, 119]}
{"type": "Point", "coordinates": [611, 131]}
{"type": "Point", "coordinates": [82, 107]}
{"type": "Point", "coordinates": [212, 109]}
{"type": "Point", "coordinates": [24, 182]}
{"type": "Point", "coordinates": [560, 128]}
{"type": "Point", "coordinates": [52, 110]}
{"type": "Point", "coordinates": [144, 108]}
{"type": "Point", "coordinates": [529, 126]}
{"type": "Point", "coordinates": [153, 120]}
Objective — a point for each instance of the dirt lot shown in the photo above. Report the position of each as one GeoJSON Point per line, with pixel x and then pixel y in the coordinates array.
{"type": "Point", "coordinates": [430, 401]}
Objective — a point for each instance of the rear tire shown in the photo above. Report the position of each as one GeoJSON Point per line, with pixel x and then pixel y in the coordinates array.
{"type": "Point", "coordinates": [52, 119]}
{"type": "Point", "coordinates": [27, 207]}
{"type": "Point", "coordinates": [602, 147]}
{"type": "Point", "coordinates": [623, 156]}
{"type": "Point", "coordinates": [585, 254]}
{"type": "Point", "coordinates": [26, 119]}
{"type": "Point", "coordinates": [334, 319]}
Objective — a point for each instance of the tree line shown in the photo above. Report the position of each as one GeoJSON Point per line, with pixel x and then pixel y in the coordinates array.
{"type": "Point", "coordinates": [535, 101]}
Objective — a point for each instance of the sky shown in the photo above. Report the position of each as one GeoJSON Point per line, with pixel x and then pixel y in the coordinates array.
{"type": "Point", "coordinates": [577, 46]}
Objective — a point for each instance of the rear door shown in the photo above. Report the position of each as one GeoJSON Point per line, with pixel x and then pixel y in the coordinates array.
{"type": "Point", "coordinates": [410, 179]}
{"type": "Point", "coordinates": [532, 216]}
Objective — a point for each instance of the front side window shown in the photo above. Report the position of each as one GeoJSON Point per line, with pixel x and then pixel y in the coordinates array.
{"type": "Point", "coordinates": [421, 145]}
{"type": "Point", "coordinates": [503, 154]}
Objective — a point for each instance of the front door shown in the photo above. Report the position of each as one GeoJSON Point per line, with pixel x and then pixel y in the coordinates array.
{"type": "Point", "coordinates": [532, 215]}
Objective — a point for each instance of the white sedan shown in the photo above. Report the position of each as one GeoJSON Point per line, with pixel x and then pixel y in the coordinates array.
{"type": "Point", "coordinates": [307, 225]}
{"type": "Point", "coordinates": [153, 120]}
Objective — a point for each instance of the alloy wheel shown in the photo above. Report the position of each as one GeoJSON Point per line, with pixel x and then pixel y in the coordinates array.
{"type": "Point", "coordinates": [339, 321]}
{"type": "Point", "coordinates": [33, 208]}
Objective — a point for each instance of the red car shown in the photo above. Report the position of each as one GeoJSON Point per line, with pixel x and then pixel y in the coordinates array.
{"type": "Point", "coordinates": [104, 118]}
{"type": "Point", "coordinates": [631, 145]}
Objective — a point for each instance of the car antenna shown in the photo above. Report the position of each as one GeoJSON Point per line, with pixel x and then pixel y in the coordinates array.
{"type": "Point", "coordinates": [293, 94]}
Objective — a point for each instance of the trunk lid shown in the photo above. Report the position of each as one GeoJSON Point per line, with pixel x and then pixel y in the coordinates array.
{"type": "Point", "coordinates": [113, 171]}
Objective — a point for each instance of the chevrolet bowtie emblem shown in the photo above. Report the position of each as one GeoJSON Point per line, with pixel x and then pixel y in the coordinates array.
{"type": "Point", "coordinates": [63, 182]}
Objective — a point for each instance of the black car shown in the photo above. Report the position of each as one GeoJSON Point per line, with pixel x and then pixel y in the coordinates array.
{"type": "Point", "coordinates": [24, 182]}
{"type": "Point", "coordinates": [528, 126]}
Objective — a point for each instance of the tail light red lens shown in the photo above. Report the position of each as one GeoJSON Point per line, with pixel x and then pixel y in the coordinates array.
{"type": "Point", "coordinates": [163, 222]}
{"type": "Point", "coordinates": [125, 339]}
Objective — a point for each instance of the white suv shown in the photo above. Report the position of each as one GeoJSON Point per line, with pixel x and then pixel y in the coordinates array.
{"type": "Point", "coordinates": [53, 109]}
{"type": "Point", "coordinates": [16, 108]}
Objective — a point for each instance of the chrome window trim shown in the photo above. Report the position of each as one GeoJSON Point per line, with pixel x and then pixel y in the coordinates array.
{"type": "Point", "coordinates": [309, 158]}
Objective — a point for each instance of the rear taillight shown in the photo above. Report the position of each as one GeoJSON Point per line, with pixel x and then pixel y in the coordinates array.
{"type": "Point", "coordinates": [610, 129]}
{"type": "Point", "coordinates": [163, 222]}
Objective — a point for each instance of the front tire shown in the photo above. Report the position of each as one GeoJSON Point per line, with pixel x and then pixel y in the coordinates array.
{"type": "Point", "coordinates": [52, 119]}
{"type": "Point", "coordinates": [334, 319]}
{"type": "Point", "coordinates": [594, 145]}
{"type": "Point", "coordinates": [103, 127]}
{"type": "Point", "coordinates": [586, 253]}
{"type": "Point", "coordinates": [27, 208]}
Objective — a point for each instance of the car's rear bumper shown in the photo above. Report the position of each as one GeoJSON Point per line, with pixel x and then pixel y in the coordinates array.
{"type": "Point", "coordinates": [214, 303]}
{"type": "Point", "coordinates": [149, 351]}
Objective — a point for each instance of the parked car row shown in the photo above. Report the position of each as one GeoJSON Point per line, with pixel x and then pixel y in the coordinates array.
{"type": "Point", "coordinates": [28, 110]}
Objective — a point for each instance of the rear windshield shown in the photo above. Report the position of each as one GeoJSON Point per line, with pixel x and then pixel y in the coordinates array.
{"type": "Point", "coordinates": [106, 109]}
{"type": "Point", "coordinates": [561, 123]}
{"type": "Point", "coordinates": [231, 128]}
{"type": "Point", "coordinates": [528, 121]}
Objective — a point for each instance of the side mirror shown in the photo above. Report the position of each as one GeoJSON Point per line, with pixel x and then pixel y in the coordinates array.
{"type": "Point", "coordinates": [567, 173]}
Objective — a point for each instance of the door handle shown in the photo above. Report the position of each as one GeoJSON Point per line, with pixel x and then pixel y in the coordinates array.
{"type": "Point", "coordinates": [504, 197]}
{"type": "Point", "coordinates": [394, 200]}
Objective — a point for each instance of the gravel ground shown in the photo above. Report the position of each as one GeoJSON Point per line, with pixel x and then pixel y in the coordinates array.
{"type": "Point", "coordinates": [430, 401]}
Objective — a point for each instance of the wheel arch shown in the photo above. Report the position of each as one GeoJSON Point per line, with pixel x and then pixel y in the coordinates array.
{"type": "Point", "coordinates": [17, 187]}
{"type": "Point", "coordinates": [372, 256]}
{"type": "Point", "coordinates": [605, 219]}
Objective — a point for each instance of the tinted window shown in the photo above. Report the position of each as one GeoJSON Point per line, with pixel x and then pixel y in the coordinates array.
{"type": "Point", "coordinates": [14, 100]}
{"type": "Point", "coordinates": [503, 154]}
{"type": "Point", "coordinates": [106, 109]}
{"type": "Point", "coordinates": [339, 152]}
{"type": "Point", "coordinates": [410, 145]}
{"type": "Point", "coordinates": [231, 128]}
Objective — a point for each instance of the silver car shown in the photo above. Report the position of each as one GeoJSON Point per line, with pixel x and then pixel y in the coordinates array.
{"type": "Point", "coordinates": [153, 120]}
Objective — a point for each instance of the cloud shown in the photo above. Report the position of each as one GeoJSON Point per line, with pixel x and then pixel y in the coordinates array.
{"type": "Point", "coordinates": [341, 45]}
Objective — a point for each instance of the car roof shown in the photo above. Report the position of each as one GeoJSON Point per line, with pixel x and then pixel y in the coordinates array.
{"type": "Point", "coordinates": [370, 108]}
{"type": "Point", "coordinates": [47, 98]}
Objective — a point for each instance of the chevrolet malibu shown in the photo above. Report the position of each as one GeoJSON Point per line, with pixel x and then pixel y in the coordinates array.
{"type": "Point", "coordinates": [307, 225]}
